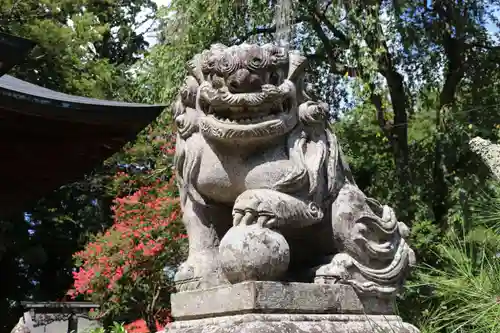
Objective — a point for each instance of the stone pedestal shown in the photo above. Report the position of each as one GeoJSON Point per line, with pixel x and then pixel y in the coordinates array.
{"type": "Point", "coordinates": [269, 307]}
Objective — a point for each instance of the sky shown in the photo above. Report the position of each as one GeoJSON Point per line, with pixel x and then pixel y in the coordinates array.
{"type": "Point", "coordinates": [152, 39]}
{"type": "Point", "coordinates": [151, 36]}
{"type": "Point", "coordinates": [162, 2]}
{"type": "Point", "coordinates": [490, 26]}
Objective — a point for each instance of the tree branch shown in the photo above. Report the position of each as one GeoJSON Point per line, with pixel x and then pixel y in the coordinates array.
{"type": "Point", "coordinates": [397, 132]}
{"type": "Point", "coordinates": [335, 67]}
{"type": "Point", "coordinates": [321, 17]}
{"type": "Point", "coordinates": [327, 7]}
{"type": "Point", "coordinates": [265, 30]}
{"type": "Point", "coordinates": [329, 49]}
{"type": "Point", "coordinates": [471, 45]}
{"type": "Point", "coordinates": [386, 127]}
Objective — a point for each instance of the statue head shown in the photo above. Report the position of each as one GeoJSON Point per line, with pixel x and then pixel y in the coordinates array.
{"type": "Point", "coordinates": [243, 93]}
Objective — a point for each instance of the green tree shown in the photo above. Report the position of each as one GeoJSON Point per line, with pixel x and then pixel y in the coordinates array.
{"type": "Point", "coordinates": [409, 83]}
{"type": "Point", "coordinates": [395, 54]}
{"type": "Point", "coordinates": [84, 49]}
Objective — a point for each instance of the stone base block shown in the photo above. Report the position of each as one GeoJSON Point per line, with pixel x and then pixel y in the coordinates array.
{"type": "Point", "coordinates": [275, 307]}
{"type": "Point", "coordinates": [275, 297]}
{"type": "Point", "coordinates": [294, 323]}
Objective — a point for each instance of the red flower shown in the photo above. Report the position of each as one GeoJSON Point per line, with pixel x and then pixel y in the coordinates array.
{"type": "Point", "coordinates": [146, 234]}
{"type": "Point", "coordinates": [140, 326]}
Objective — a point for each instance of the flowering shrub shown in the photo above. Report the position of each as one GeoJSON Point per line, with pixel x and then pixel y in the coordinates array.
{"type": "Point", "coordinates": [123, 269]}
{"type": "Point", "coordinates": [140, 326]}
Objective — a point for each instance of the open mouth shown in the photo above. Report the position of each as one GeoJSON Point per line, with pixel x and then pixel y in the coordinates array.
{"type": "Point", "coordinates": [247, 116]}
{"type": "Point", "coordinates": [242, 115]}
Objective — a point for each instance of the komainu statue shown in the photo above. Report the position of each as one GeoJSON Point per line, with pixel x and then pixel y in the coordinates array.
{"type": "Point", "coordinates": [265, 191]}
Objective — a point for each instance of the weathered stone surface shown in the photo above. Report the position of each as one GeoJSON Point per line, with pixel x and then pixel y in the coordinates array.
{"type": "Point", "coordinates": [275, 297]}
{"type": "Point", "coordinates": [294, 323]}
{"type": "Point", "coordinates": [488, 152]}
{"type": "Point", "coordinates": [253, 253]}
{"type": "Point", "coordinates": [267, 195]}
{"type": "Point", "coordinates": [253, 148]}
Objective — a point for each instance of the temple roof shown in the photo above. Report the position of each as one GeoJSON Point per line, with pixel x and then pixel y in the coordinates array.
{"type": "Point", "coordinates": [12, 50]}
{"type": "Point", "coordinates": [48, 139]}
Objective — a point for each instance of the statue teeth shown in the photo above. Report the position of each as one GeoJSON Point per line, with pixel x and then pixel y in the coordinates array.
{"type": "Point", "coordinates": [258, 118]}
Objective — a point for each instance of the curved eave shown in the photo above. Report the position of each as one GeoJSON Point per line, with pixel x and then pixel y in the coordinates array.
{"type": "Point", "coordinates": [12, 50]}
{"type": "Point", "coordinates": [34, 100]}
{"type": "Point", "coordinates": [48, 139]}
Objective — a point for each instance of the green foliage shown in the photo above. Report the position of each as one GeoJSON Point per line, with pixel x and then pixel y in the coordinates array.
{"type": "Point", "coordinates": [465, 286]}
{"type": "Point", "coordinates": [459, 291]}
{"type": "Point", "coordinates": [409, 83]}
{"type": "Point", "coordinates": [78, 52]}
{"type": "Point", "coordinates": [115, 328]}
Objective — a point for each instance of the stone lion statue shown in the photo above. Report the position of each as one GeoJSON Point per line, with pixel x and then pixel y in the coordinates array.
{"type": "Point", "coordinates": [255, 152]}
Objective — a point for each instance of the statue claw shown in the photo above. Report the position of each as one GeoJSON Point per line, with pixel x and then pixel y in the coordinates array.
{"type": "Point", "coordinates": [271, 223]}
{"type": "Point", "coordinates": [250, 216]}
{"type": "Point", "coordinates": [237, 217]}
{"type": "Point", "coordinates": [262, 220]}
{"type": "Point", "coordinates": [250, 209]}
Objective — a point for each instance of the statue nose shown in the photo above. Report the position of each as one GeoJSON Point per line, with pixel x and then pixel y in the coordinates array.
{"type": "Point", "coordinates": [243, 81]}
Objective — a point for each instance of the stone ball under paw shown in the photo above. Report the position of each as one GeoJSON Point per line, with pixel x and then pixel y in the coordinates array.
{"type": "Point", "coordinates": [251, 252]}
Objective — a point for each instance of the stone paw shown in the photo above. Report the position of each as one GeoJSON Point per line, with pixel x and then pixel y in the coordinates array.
{"type": "Point", "coordinates": [184, 272]}
{"type": "Point", "coordinates": [336, 271]}
{"type": "Point", "coordinates": [254, 207]}
{"type": "Point", "coordinates": [198, 272]}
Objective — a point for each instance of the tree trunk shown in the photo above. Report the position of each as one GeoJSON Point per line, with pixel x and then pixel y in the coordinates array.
{"type": "Point", "coordinates": [454, 48]}
{"type": "Point", "coordinates": [399, 131]}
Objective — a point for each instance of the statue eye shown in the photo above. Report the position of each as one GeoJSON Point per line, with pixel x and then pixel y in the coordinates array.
{"type": "Point", "coordinates": [257, 60]}
{"type": "Point", "coordinates": [227, 65]}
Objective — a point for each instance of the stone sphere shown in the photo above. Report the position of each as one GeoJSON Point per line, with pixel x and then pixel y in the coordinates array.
{"type": "Point", "coordinates": [253, 253]}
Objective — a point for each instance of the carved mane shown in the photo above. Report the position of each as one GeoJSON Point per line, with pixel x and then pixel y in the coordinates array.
{"type": "Point", "coordinates": [317, 153]}
{"type": "Point", "coordinates": [187, 155]}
